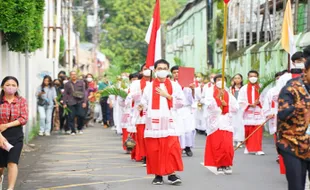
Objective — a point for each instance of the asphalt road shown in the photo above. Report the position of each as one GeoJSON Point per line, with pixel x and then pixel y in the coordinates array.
{"type": "Point", "coordinates": [95, 160]}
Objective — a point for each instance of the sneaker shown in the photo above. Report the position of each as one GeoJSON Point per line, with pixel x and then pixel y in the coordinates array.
{"type": "Point", "coordinates": [220, 171]}
{"type": "Point", "coordinates": [47, 134]}
{"type": "Point", "coordinates": [246, 151]}
{"type": "Point", "coordinates": [1, 178]}
{"type": "Point", "coordinates": [188, 152]}
{"type": "Point", "coordinates": [80, 132]}
{"type": "Point", "coordinates": [260, 153]}
{"type": "Point", "coordinates": [41, 134]}
{"type": "Point", "coordinates": [68, 132]}
{"type": "Point", "coordinates": [113, 128]}
{"type": "Point", "coordinates": [158, 180]}
{"type": "Point", "coordinates": [73, 134]}
{"type": "Point", "coordinates": [174, 180]}
{"type": "Point", "coordinates": [227, 170]}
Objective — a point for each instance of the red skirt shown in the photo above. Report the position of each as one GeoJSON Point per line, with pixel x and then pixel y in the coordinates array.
{"type": "Point", "coordinates": [135, 151]}
{"type": "Point", "coordinates": [163, 155]}
{"type": "Point", "coordinates": [125, 136]}
{"type": "Point", "coordinates": [219, 150]}
{"type": "Point", "coordinates": [254, 143]}
{"type": "Point", "coordinates": [141, 140]}
{"type": "Point", "coordinates": [138, 152]}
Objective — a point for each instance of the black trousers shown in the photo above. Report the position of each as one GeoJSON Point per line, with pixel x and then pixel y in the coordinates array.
{"type": "Point", "coordinates": [76, 111]}
{"type": "Point", "coordinates": [105, 110]}
{"type": "Point", "coordinates": [62, 119]}
{"type": "Point", "coordinates": [296, 171]}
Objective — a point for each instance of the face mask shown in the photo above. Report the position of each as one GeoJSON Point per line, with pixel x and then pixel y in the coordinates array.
{"type": "Point", "coordinates": [299, 65]}
{"type": "Point", "coordinates": [198, 79]}
{"type": "Point", "coordinates": [124, 77]}
{"type": "Point", "coordinates": [162, 74]}
{"type": "Point", "coordinates": [219, 84]}
{"type": "Point", "coordinates": [65, 81]}
{"type": "Point", "coordinates": [253, 80]}
{"type": "Point", "coordinates": [212, 80]}
{"type": "Point", "coordinates": [89, 79]}
{"type": "Point", "coordinates": [10, 90]}
{"type": "Point", "coordinates": [147, 73]}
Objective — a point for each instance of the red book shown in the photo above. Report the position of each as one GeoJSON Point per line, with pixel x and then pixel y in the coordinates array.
{"type": "Point", "coordinates": [186, 76]}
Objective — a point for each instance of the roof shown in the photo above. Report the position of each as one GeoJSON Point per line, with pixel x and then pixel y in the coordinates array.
{"type": "Point", "coordinates": [187, 7]}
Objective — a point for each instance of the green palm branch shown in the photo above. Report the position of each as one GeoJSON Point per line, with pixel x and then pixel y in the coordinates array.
{"type": "Point", "coordinates": [112, 90]}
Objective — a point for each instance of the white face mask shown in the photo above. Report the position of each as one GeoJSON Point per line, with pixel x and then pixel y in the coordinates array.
{"type": "Point", "coordinates": [299, 65]}
{"type": "Point", "coordinates": [124, 77]}
{"type": "Point", "coordinates": [162, 74]}
{"type": "Point", "coordinates": [198, 79]}
{"type": "Point", "coordinates": [89, 79]}
{"type": "Point", "coordinates": [253, 80]}
{"type": "Point", "coordinates": [219, 84]}
{"type": "Point", "coordinates": [65, 81]}
{"type": "Point", "coordinates": [212, 80]}
{"type": "Point", "coordinates": [147, 73]}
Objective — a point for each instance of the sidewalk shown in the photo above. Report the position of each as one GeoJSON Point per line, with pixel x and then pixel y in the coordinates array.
{"type": "Point", "coordinates": [93, 159]}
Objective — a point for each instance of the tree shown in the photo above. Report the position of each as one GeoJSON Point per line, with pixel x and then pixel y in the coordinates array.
{"type": "Point", "coordinates": [22, 24]}
{"type": "Point", "coordinates": [127, 27]}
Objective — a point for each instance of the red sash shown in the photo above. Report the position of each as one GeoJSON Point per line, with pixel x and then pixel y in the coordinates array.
{"type": "Point", "coordinates": [218, 100]}
{"type": "Point", "coordinates": [256, 93]}
{"type": "Point", "coordinates": [156, 96]}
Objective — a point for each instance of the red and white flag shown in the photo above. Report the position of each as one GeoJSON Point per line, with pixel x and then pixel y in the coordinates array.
{"type": "Point", "coordinates": [153, 38]}
{"type": "Point", "coordinates": [226, 1]}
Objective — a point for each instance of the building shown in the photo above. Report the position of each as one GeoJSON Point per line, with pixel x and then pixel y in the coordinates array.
{"type": "Point", "coordinates": [195, 36]}
{"type": "Point", "coordinates": [186, 38]}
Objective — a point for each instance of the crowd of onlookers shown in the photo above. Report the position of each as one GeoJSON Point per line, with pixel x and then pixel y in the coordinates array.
{"type": "Point", "coordinates": [69, 104]}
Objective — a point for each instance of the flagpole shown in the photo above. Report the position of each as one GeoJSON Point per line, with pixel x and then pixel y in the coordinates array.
{"type": "Point", "coordinates": [224, 45]}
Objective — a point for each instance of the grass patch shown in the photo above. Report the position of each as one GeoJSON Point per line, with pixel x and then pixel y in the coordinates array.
{"type": "Point", "coordinates": [34, 131]}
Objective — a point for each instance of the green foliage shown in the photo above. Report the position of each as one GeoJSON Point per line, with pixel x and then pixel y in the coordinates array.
{"type": "Point", "coordinates": [266, 81]}
{"type": "Point", "coordinates": [113, 91]}
{"type": "Point", "coordinates": [61, 47]}
{"type": "Point", "coordinates": [22, 24]}
{"type": "Point", "coordinates": [80, 22]}
{"type": "Point", "coordinates": [178, 61]}
{"type": "Point", "coordinates": [127, 27]}
{"type": "Point", "coordinates": [34, 131]}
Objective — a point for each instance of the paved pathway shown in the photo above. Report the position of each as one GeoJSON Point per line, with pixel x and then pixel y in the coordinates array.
{"type": "Point", "coordinates": [96, 160]}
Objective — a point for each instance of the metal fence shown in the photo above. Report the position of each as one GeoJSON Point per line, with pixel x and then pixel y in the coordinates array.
{"type": "Point", "coordinates": [254, 21]}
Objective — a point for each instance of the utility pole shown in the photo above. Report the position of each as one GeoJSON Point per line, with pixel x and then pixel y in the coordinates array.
{"type": "Point", "coordinates": [69, 36]}
{"type": "Point", "coordinates": [95, 36]}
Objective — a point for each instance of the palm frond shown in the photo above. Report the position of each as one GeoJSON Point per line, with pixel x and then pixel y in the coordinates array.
{"type": "Point", "coordinates": [266, 81]}
{"type": "Point", "coordinates": [112, 90]}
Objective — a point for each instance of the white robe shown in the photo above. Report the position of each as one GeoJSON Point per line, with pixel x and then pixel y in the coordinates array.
{"type": "Point", "coordinates": [238, 123]}
{"type": "Point", "coordinates": [200, 120]}
{"type": "Point", "coordinates": [186, 113]}
{"type": "Point", "coordinates": [167, 125]}
{"type": "Point", "coordinates": [206, 87]}
{"type": "Point", "coordinates": [215, 118]}
{"type": "Point", "coordinates": [117, 113]}
{"type": "Point", "coordinates": [271, 107]}
{"type": "Point", "coordinates": [187, 116]}
{"type": "Point", "coordinates": [252, 116]}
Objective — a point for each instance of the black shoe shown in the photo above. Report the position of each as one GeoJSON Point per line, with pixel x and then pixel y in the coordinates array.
{"type": "Point", "coordinates": [144, 161]}
{"type": "Point", "coordinates": [158, 180]}
{"type": "Point", "coordinates": [220, 170]}
{"type": "Point", "coordinates": [174, 180]}
{"type": "Point", "coordinates": [188, 152]}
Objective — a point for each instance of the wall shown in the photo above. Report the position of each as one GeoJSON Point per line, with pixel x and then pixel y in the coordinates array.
{"type": "Point", "coordinates": [186, 38]}
{"type": "Point", "coordinates": [14, 64]}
